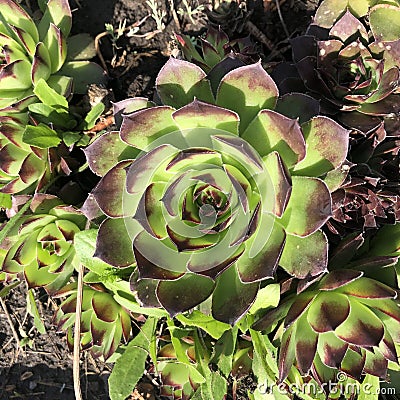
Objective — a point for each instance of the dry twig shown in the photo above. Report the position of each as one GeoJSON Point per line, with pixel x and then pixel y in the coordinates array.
{"type": "Point", "coordinates": [14, 332]}
{"type": "Point", "coordinates": [77, 336]}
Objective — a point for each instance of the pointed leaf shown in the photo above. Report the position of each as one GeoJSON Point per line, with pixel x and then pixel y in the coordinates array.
{"type": "Point", "coordinates": [57, 47]}
{"type": "Point", "coordinates": [281, 182]}
{"type": "Point", "coordinates": [200, 114]}
{"type": "Point", "coordinates": [331, 349]}
{"type": "Point", "coordinates": [256, 263]}
{"type": "Point", "coordinates": [306, 345]}
{"type": "Point", "coordinates": [322, 156]}
{"type": "Point", "coordinates": [57, 12]}
{"type": "Point", "coordinates": [114, 245]}
{"type": "Point", "coordinates": [232, 298]}
{"type": "Point", "coordinates": [17, 16]}
{"type": "Point", "coordinates": [287, 353]}
{"type": "Point", "coordinates": [41, 65]}
{"type": "Point", "coordinates": [271, 131]}
{"type": "Point", "coordinates": [362, 327]}
{"type": "Point", "coordinates": [309, 207]}
{"type": "Point", "coordinates": [110, 192]}
{"type": "Point", "coordinates": [328, 311]}
{"type": "Point", "coordinates": [247, 90]}
{"type": "Point", "coordinates": [144, 126]}
{"type": "Point", "coordinates": [184, 293]}
{"type": "Point", "coordinates": [180, 82]}
{"type": "Point", "coordinates": [305, 257]}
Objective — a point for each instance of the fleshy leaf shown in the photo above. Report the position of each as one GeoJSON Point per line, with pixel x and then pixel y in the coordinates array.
{"type": "Point", "coordinates": [200, 114]}
{"type": "Point", "coordinates": [184, 293]}
{"type": "Point", "coordinates": [309, 207]}
{"type": "Point", "coordinates": [321, 157]}
{"type": "Point", "coordinates": [328, 311]}
{"type": "Point", "coordinates": [331, 349]}
{"type": "Point", "coordinates": [142, 127]}
{"type": "Point", "coordinates": [247, 90]}
{"type": "Point", "coordinates": [306, 345]}
{"type": "Point", "coordinates": [367, 288]}
{"type": "Point", "coordinates": [110, 192]}
{"type": "Point", "coordinates": [287, 353]}
{"type": "Point", "coordinates": [339, 278]}
{"type": "Point", "coordinates": [362, 327]}
{"type": "Point", "coordinates": [305, 257]}
{"type": "Point", "coordinates": [106, 151]}
{"type": "Point", "coordinates": [271, 131]}
{"type": "Point", "coordinates": [262, 265]}
{"type": "Point", "coordinates": [180, 82]}
{"type": "Point", "coordinates": [232, 298]}
{"type": "Point", "coordinates": [379, 17]}
{"type": "Point", "coordinates": [114, 245]}
{"type": "Point", "coordinates": [17, 16]}
{"type": "Point", "coordinates": [281, 182]}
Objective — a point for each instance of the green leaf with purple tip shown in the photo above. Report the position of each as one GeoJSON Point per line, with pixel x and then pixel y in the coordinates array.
{"type": "Point", "coordinates": [184, 293]}
{"type": "Point", "coordinates": [247, 90]}
{"type": "Point", "coordinates": [144, 126]}
{"type": "Point", "coordinates": [271, 131]}
{"type": "Point", "coordinates": [362, 327]}
{"type": "Point", "coordinates": [331, 349]}
{"type": "Point", "coordinates": [57, 12]}
{"type": "Point", "coordinates": [321, 157]}
{"type": "Point", "coordinates": [180, 82]}
{"type": "Point", "coordinates": [114, 245]}
{"type": "Point", "coordinates": [200, 114]}
{"type": "Point", "coordinates": [328, 311]}
{"type": "Point", "coordinates": [306, 344]}
{"type": "Point", "coordinates": [309, 206]}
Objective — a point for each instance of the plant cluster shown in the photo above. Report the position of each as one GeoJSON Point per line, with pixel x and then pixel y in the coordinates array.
{"type": "Point", "coordinates": [250, 221]}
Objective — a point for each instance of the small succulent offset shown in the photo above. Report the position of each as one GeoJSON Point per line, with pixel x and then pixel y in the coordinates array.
{"type": "Point", "coordinates": [350, 319]}
{"type": "Point", "coordinates": [103, 321]}
{"type": "Point", "coordinates": [216, 46]}
{"type": "Point", "coordinates": [207, 195]}
{"type": "Point", "coordinates": [41, 248]}
{"type": "Point", "coordinates": [352, 68]}
{"type": "Point", "coordinates": [31, 52]}
{"type": "Point", "coordinates": [38, 73]}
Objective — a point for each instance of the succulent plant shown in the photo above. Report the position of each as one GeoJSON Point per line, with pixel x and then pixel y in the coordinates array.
{"type": "Point", "coordinates": [230, 16]}
{"type": "Point", "coordinates": [207, 199]}
{"type": "Point", "coordinates": [179, 380]}
{"type": "Point", "coordinates": [104, 323]}
{"type": "Point", "coordinates": [41, 247]}
{"type": "Point", "coordinates": [350, 319]}
{"type": "Point", "coordinates": [21, 166]}
{"type": "Point", "coordinates": [33, 52]}
{"type": "Point", "coordinates": [216, 47]}
{"type": "Point", "coordinates": [352, 68]}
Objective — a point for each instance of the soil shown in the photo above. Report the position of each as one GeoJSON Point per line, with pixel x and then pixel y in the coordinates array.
{"type": "Point", "coordinates": [43, 368]}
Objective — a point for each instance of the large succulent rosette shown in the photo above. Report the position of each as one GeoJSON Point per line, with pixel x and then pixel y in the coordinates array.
{"type": "Point", "coordinates": [352, 68]}
{"type": "Point", "coordinates": [350, 319]}
{"type": "Point", "coordinates": [209, 199]}
{"type": "Point", "coordinates": [104, 323]}
{"type": "Point", "coordinates": [41, 248]}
